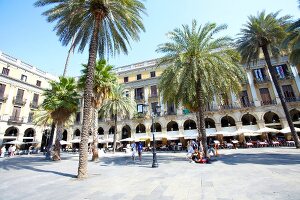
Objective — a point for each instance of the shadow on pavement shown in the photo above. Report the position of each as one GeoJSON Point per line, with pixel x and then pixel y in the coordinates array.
{"type": "Point", "coordinates": [32, 163]}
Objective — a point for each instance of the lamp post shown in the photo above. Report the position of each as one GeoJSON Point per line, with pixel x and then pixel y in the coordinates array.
{"type": "Point", "coordinates": [155, 113]}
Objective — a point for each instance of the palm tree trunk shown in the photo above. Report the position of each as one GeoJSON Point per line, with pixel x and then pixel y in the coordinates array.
{"type": "Point", "coordinates": [68, 56]}
{"type": "Point", "coordinates": [57, 145]}
{"type": "Point", "coordinates": [282, 99]}
{"type": "Point", "coordinates": [95, 156]}
{"type": "Point", "coordinates": [115, 133]}
{"type": "Point", "coordinates": [88, 92]}
{"type": "Point", "coordinates": [50, 142]}
{"type": "Point", "coordinates": [200, 117]}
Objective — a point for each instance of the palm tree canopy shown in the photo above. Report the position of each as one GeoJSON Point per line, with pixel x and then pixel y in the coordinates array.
{"type": "Point", "coordinates": [120, 21]}
{"type": "Point", "coordinates": [118, 103]}
{"type": "Point", "coordinates": [104, 79]}
{"type": "Point", "coordinates": [193, 54]}
{"type": "Point", "coordinates": [262, 30]}
{"type": "Point", "coordinates": [61, 101]}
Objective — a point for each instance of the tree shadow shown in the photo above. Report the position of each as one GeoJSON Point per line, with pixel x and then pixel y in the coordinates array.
{"type": "Point", "coordinates": [32, 163]}
{"type": "Point", "coordinates": [261, 158]}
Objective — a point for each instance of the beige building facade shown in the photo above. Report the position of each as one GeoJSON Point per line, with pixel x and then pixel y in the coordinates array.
{"type": "Point", "coordinates": [257, 106]}
{"type": "Point", "coordinates": [21, 89]}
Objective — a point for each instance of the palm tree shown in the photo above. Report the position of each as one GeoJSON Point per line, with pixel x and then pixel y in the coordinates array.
{"type": "Point", "coordinates": [108, 26]}
{"type": "Point", "coordinates": [200, 65]}
{"type": "Point", "coordinates": [104, 79]}
{"type": "Point", "coordinates": [292, 41]}
{"type": "Point", "coordinates": [61, 102]}
{"type": "Point", "coordinates": [265, 32]}
{"type": "Point", "coordinates": [118, 104]}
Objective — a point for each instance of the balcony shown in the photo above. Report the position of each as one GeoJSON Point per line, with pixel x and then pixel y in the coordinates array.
{"type": "Point", "coordinates": [170, 112]}
{"type": "Point", "coordinates": [3, 98]}
{"type": "Point", "coordinates": [285, 76]}
{"type": "Point", "coordinates": [248, 104]}
{"type": "Point", "coordinates": [153, 97]}
{"type": "Point", "coordinates": [18, 101]}
{"type": "Point", "coordinates": [269, 102]}
{"type": "Point", "coordinates": [292, 99]}
{"type": "Point", "coordinates": [34, 105]}
{"type": "Point", "coordinates": [14, 119]}
{"type": "Point", "coordinates": [261, 81]}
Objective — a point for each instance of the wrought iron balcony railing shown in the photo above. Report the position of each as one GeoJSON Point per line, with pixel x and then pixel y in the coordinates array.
{"type": "Point", "coordinates": [3, 98]}
{"type": "Point", "coordinates": [292, 99]}
{"type": "Point", "coordinates": [34, 104]}
{"type": "Point", "coordinates": [14, 119]}
{"type": "Point", "coordinates": [19, 101]}
{"type": "Point", "coordinates": [269, 102]}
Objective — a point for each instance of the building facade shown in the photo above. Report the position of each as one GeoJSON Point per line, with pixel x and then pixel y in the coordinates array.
{"type": "Point", "coordinates": [257, 106]}
{"type": "Point", "coordinates": [21, 89]}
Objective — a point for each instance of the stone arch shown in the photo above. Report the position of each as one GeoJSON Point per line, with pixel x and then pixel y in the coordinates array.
{"type": "Point", "coordinates": [30, 132]}
{"type": "Point", "coordinates": [271, 117]}
{"type": "Point", "coordinates": [210, 123]}
{"type": "Point", "coordinates": [156, 126]}
{"type": "Point", "coordinates": [295, 115]}
{"type": "Point", "coordinates": [227, 121]}
{"type": "Point", "coordinates": [111, 130]}
{"type": "Point", "coordinates": [77, 132]}
{"type": "Point", "coordinates": [172, 126]}
{"type": "Point", "coordinates": [12, 131]}
{"type": "Point", "coordinates": [189, 124]}
{"type": "Point", "coordinates": [140, 128]}
{"type": "Point", "coordinates": [126, 131]}
{"type": "Point", "coordinates": [100, 131]}
{"type": "Point", "coordinates": [248, 119]}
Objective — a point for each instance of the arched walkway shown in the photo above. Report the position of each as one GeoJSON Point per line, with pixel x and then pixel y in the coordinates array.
{"type": "Point", "coordinates": [227, 121]}
{"type": "Point", "coordinates": [126, 132]}
{"type": "Point", "coordinates": [140, 128]}
{"type": "Point", "coordinates": [248, 119]}
{"type": "Point", "coordinates": [65, 135]}
{"type": "Point", "coordinates": [210, 123]}
{"type": "Point", "coordinates": [271, 117]}
{"type": "Point", "coordinates": [111, 130]}
{"type": "Point", "coordinates": [189, 125]}
{"type": "Point", "coordinates": [172, 126]}
{"type": "Point", "coordinates": [12, 132]}
{"type": "Point", "coordinates": [295, 115]}
{"type": "Point", "coordinates": [77, 133]}
{"type": "Point", "coordinates": [28, 138]}
{"type": "Point", "coordinates": [157, 127]}
{"type": "Point", "coordinates": [100, 131]}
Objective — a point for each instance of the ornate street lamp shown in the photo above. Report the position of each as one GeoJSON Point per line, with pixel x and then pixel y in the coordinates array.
{"type": "Point", "coordinates": [156, 112]}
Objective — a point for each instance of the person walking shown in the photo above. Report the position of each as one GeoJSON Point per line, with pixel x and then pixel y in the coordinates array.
{"type": "Point", "coordinates": [140, 150]}
{"type": "Point", "coordinates": [3, 150]}
{"type": "Point", "coordinates": [133, 149]}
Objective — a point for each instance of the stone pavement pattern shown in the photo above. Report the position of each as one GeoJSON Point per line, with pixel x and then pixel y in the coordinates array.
{"type": "Point", "coordinates": [264, 173]}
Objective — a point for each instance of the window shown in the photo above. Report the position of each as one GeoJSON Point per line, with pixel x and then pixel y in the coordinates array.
{"type": "Point", "coordinates": [153, 107]}
{"type": "Point", "coordinates": [260, 75]}
{"type": "Point", "coordinates": [171, 108]}
{"type": "Point", "coordinates": [139, 77]}
{"type": "Point", "coordinates": [38, 83]}
{"type": "Point", "coordinates": [23, 78]}
{"type": "Point", "coordinates": [16, 112]}
{"type": "Point", "coordinates": [265, 96]}
{"type": "Point", "coordinates": [244, 99]}
{"type": "Point", "coordinates": [78, 117]}
{"type": "Point", "coordinates": [5, 71]}
{"type": "Point", "coordinates": [152, 74]}
{"type": "Point", "coordinates": [35, 98]}
{"type": "Point", "coordinates": [2, 90]}
{"type": "Point", "coordinates": [126, 79]}
{"type": "Point", "coordinates": [153, 91]}
{"type": "Point", "coordinates": [30, 117]}
{"type": "Point", "coordinates": [20, 94]}
{"type": "Point", "coordinates": [288, 93]}
{"type": "Point", "coordinates": [140, 108]}
{"type": "Point", "coordinates": [139, 93]}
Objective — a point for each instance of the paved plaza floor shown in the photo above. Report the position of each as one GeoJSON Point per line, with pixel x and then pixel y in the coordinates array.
{"type": "Point", "coordinates": [263, 173]}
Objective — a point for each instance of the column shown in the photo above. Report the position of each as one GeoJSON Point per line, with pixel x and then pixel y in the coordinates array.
{"type": "Point", "coordinates": [296, 75]}
{"type": "Point", "coordinates": [274, 89]}
{"type": "Point", "coordinates": [146, 94]}
{"type": "Point", "coordinates": [162, 105]}
{"type": "Point", "coordinates": [252, 88]}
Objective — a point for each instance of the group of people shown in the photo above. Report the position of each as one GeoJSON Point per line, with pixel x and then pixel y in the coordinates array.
{"type": "Point", "coordinates": [196, 154]}
{"type": "Point", "coordinates": [11, 151]}
{"type": "Point", "coordinates": [136, 148]}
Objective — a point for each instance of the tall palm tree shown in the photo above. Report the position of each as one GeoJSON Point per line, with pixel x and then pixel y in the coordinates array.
{"type": "Point", "coordinates": [61, 101]}
{"type": "Point", "coordinates": [104, 79]}
{"type": "Point", "coordinates": [108, 26]}
{"type": "Point", "coordinates": [292, 41]}
{"type": "Point", "coordinates": [265, 33]}
{"type": "Point", "coordinates": [117, 105]}
{"type": "Point", "coordinates": [199, 65]}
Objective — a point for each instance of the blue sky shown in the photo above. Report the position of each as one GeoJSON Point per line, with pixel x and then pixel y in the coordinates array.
{"type": "Point", "coordinates": [26, 35]}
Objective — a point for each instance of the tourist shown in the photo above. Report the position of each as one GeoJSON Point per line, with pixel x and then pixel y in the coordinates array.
{"type": "Point", "coordinates": [211, 148]}
{"type": "Point", "coordinates": [133, 149]}
{"type": "Point", "coordinates": [140, 149]}
{"type": "Point", "coordinates": [3, 150]}
{"type": "Point", "coordinates": [190, 152]}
